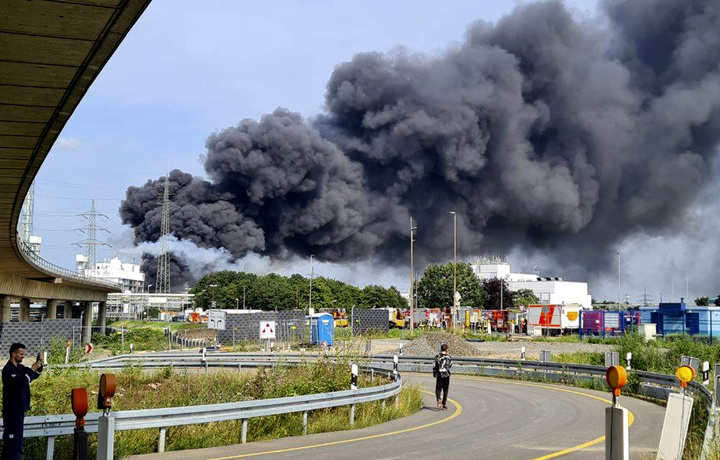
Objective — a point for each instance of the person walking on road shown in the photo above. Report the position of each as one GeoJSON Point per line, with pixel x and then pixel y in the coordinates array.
{"type": "Point", "coordinates": [441, 372]}
{"type": "Point", "coordinates": [16, 380]}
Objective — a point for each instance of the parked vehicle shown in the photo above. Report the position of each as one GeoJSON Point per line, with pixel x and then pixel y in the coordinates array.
{"type": "Point", "coordinates": [553, 319]}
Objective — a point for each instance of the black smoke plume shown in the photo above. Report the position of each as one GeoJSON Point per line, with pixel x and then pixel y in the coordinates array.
{"type": "Point", "coordinates": [541, 131]}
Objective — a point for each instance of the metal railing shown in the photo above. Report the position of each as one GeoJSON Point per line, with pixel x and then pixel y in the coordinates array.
{"type": "Point", "coordinates": [38, 262]}
{"type": "Point", "coordinates": [51, 426]}
{"type": "Point", "coordinates": [650, 384]}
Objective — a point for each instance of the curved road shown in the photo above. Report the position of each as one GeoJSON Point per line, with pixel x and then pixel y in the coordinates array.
{"type": "Point", "coordinates": [489, 419]}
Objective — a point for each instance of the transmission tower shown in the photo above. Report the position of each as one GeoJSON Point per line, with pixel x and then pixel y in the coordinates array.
{"type": "Point", "coordinates": [646, 299]}
{"type": "Point", "coordinates": [28, 210]}
{"type": "Point", "coordinates": [91, 242]}
{"type": "Point", "coordinates": [162, 280]}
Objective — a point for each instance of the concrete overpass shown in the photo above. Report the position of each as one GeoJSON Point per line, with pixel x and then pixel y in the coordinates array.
{"type": "Point", "coordinates": [50, 53]}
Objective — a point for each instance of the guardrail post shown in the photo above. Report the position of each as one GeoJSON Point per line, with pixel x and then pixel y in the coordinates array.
{"type": "Point", "coordinates": [354, 377]}
{"type": "Point", "coordinates": [372, 375]}
{"type": "Point", "coordinates": [50, 448]}
{"type": "Point", "coordinates": [106, 437]}
{"type": "Point", "coordinates": [305, 415]}
{"type": "Point", "coordinates": [161, 439]}
{"type": "Point", "coordinates": [352, 414]}
{"type": "Point", "coordinates": [243, 435]}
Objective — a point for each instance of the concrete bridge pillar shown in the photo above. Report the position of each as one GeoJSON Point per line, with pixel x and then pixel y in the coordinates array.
{"type": "Point", "coordinates": [102, 311]}
{"type": "Point", "coordinates": [4, 308]}
{"type": "Point", "coordinates": [24, 310]}
{"type": "Point", "coordinates": [87, 321]}
{"type": "Point", "coordinates": [68, 309]}
{"type": "Point", "coordinates": [51, 308]}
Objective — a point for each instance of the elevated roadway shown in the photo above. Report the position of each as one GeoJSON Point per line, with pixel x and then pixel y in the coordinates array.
{"type": "Point", "coordinates": [488, 419]}
{"type": "Point", "coordinates": [50, 53]}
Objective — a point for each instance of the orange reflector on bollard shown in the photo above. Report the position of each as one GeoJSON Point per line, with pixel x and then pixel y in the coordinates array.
{"type": "Point", "coordinates": [616, 377]}
{"type": "Point", "coordinates": [685, 374]}
{"type": "Point", "coordinates": [107, 391]}
{"type": "Point", "coordinates": [79, 403]}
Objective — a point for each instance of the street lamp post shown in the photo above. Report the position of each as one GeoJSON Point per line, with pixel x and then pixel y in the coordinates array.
{"type": "Point", "coordinates": [618, 260]}
{"type": "Point", "coordinates": [311, 280]}
{"type": "Point", "coordinates": [147, 299]}
{"type": "Point", "coordinates": [454, 294]}
{"type": "Point", "coordinates": [412, 271]}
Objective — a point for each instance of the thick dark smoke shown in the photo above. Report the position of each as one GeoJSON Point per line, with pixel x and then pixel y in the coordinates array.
{"type": "Point", "coordinates": [540, 131]}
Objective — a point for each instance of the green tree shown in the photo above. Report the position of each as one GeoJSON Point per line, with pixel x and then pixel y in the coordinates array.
{"type": "Point", "coordinates": [435, 289]}
{"type": "Point", "coordinates": [702, 301]}
{"type": "Point", "coordinates": [493, 288]}
{"type": "Point", "coordinates": [525, 297]}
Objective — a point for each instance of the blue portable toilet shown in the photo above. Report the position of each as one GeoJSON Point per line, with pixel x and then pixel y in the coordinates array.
{"type": "Point", "coordinates": [322, 329]}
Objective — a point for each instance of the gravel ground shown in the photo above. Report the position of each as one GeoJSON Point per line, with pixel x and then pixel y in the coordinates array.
{"type": "Point", "coordinates": [427, 346]}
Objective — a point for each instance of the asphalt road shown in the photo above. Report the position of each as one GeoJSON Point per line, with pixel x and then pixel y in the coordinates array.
{"type": "Point", "coordinates": [488, 419]}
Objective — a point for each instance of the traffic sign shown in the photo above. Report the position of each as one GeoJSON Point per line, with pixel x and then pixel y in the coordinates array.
{"type": "Point", "coordinates": [88, 348]}
{"type": "Point", "coordinates": [267, 329]}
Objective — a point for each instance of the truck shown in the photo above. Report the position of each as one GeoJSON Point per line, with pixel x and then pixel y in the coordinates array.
{"type": "Point", "coordinates": [553, 319]}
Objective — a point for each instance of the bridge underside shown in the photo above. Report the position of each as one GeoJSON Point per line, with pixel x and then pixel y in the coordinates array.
{"type": "Point", "coordinates": [50, 53]}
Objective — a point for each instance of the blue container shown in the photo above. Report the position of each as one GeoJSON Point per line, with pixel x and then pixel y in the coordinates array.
{"type": "Point", "coordinates": [673, 309]}
{"type": "Point", "coordinates": [708, 320]}
{"type": "Point", "coordinates": [321, 329]}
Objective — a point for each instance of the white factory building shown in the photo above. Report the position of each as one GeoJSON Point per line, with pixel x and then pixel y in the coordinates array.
{"type": "Point", "coordinates": [550, 290]}
{"type": "Point", "coordinates": [113, 270]}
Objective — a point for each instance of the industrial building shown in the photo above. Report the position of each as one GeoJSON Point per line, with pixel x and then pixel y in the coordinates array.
{"type": "Point", "coordinates": [550, 290]}
{"type": "Point", "coordinates": [114, 270]}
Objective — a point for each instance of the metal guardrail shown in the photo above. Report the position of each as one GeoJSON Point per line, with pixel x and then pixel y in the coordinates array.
{"type": "Point", "coordinates": [650, 384]}
{"type": "Point", "coordinates": [51, 426]}
{"type": "Point", "coordinates": [34, 259]}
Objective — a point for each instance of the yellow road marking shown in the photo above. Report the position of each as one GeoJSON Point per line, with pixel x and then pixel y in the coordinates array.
{"type": "Point", "coordinates": [458, 411]}
{"type": "Point", "coordinates": [631, 416]}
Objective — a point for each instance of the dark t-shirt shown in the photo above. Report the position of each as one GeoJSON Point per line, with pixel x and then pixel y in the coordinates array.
{"type": "Point", "coordinates": [16, 388]}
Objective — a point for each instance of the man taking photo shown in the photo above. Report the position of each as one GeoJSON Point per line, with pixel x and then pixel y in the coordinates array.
{"type": "Point", "coordinates": [16, 380]}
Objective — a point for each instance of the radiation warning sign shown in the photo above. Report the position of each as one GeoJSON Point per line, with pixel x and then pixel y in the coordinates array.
{"type": "Point", "coordinates": [267, 329]}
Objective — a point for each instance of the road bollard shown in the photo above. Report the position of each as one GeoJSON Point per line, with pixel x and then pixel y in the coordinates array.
{"type": "Point", "coordinates": [706, 373]}
{"type": "Point", "coordinates": [106, 423]}
{"type": "Point", "coordinates": [354, 377]}
{"type": "Point", "coordinates": [131, 348]}
{"type": "Point", "coordinates": [396, 375]}
{"type": "Point", "coordinates": [522, 354]}
{"type": "Point", "coordinates": [401, 349]}
{"type": "Point", "coordinates": [628, 358]}
{"type": "Point", "coordinates": [79, 404]}
{"type": "Point", "coordinates": [617, 440]}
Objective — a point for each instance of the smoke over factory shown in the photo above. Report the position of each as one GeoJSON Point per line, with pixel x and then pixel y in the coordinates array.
{"type": "Point", "coordinates": [542, 131]}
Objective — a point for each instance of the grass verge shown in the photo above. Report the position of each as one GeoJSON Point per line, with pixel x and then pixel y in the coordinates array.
{"type": "Point", "coordinates": [166, 388]}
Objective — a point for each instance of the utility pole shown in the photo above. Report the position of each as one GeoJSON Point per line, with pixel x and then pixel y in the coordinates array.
{"type": "Point", "coordinates": [311, 280]}
{"type": "Point", "coordinates": [618, 259]}
{"type": "Point", "coordinates": [501, 294]}
{"type": "Point", "coordinates": [91, 242]}
{"type": "Point", "coordinates": [162, 280]}
{"type": "Point", "coordinates": [412, 271]}
{"type": "Point", "coordinates": [454, 294]}
{"type": "Point", "coordinates": [243, 297]}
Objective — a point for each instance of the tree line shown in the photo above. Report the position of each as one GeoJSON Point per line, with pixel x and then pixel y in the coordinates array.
{"type": "Point", "coordinates": [230, 289]}
{"type": "Point", "coordinates": [435, 289]}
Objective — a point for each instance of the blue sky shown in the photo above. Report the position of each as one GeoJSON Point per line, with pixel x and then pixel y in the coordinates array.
{"type": "Point", "coordinates": [188, 69]}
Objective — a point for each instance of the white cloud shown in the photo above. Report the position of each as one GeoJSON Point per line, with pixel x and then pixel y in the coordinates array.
{"type": "Point", "coordinates": [67, 143]}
